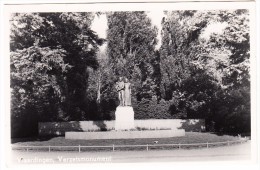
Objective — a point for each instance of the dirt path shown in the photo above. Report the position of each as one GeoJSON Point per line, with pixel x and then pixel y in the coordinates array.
{"type": "Point", "coordinates": [234, 152]}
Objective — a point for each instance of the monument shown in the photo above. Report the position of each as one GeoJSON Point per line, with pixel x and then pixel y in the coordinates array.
{"type": "Point", "coordinates": [124, 125]}
{"type": "Point", "coordinates": [124, 115]}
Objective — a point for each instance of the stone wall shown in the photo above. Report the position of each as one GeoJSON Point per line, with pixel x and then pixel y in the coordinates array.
{"type": "Point", "coordinates": [59, 128]}
{"type": "Point", "coordinates": [125, 134]}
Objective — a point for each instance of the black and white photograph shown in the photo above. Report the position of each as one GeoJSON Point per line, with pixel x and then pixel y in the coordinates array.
{"type": "Point", "coordinates": [141, 83]}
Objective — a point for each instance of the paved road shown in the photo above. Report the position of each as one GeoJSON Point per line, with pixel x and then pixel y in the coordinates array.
{"type": "Point", "coordinates": [234, 152]}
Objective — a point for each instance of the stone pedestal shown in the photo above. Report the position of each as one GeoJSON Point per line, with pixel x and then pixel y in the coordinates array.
{"type": "Point", "coordinates": [124, 118]}
{"type": "Point", "coordinates": [125, 134]}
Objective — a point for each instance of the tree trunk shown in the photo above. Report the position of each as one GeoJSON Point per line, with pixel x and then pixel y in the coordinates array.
{"type": "Point", "coordinates": [99, 90]}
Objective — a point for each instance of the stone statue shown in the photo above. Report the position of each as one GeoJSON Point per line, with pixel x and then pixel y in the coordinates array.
{"type": "Point", "coordinates": [124, 114]}
{"type": "Point", "coordinates": [120, 88]}
{"type": "Point", "coordinates": [127, 93]}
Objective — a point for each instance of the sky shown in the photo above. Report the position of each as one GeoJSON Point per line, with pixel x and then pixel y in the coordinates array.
{"type": "Point", "coordinates": [100, 26]}
{"type": "Point", "coordinates": [156, 18]}
{"type": "Point", "coordinates": [215, 27]}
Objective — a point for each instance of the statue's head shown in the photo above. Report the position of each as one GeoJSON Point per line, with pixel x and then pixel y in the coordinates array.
{"type": "Point", "coordinates": [120, 78]}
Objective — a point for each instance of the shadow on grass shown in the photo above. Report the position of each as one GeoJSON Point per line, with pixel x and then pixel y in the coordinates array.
{"type": "Point", "coordinates": [31, 139]}
{"type": "Point", "coordinates": [248, 135]}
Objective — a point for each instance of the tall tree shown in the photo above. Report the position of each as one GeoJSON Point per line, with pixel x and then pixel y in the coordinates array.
{"type": "Point", "coordinates": [101, 87]}
{"type": "Point", "coordinates": [206, 65]}
{"type": "Point", "coordinates": [50, 54]}
{"type": "Point", "coordinates": [131, 45]}
{"type": "Point", "coordinates": [180, 33]}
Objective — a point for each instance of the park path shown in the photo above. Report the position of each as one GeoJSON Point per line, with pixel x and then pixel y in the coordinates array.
{"type": "Point", "coordinates": [225, 153]}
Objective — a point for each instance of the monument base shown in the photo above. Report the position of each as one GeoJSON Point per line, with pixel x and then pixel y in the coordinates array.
{"type": "Point", "coordinates": [125, 134]}
{"type": "Point", "coordinates": [124, 118]}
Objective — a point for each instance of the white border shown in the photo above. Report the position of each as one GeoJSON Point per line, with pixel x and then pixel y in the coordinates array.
{"type": "Point", "coordinates": [5, 70]}
{"type": "Point", "coordinates": [92, 7]}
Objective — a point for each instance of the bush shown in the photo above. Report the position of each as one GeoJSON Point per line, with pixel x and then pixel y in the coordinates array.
{"type": "Point", "coordinates": [24, 123]}
{"type": "Point", "coordinates": [231, 111]}
{"type": "Point", "coordinates": [153, 109]}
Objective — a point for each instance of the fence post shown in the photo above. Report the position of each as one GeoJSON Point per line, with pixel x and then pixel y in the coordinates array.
{"type": "Point", "coordinates": [207, 144]}
{"type": "Point", "coordinates": [27, 148]}
{"type": "Point", "coordinates": [79, 148]}
{"type": "Point", "coordinates": [179, 146]}
{"type": "Point", "coordinates": [113, 147]}
{"type": "Point", "coordinates": [147, 147]}
{"type": "Point", "coordinates": [49, 148]}
{"type": "Point", "coordinates": [228, 143]}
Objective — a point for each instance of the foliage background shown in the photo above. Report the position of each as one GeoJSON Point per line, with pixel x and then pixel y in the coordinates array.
{"type": "Point", "coordinates": [59, 73]}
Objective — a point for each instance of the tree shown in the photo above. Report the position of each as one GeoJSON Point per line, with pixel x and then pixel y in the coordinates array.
{"type": "Point", "coordinates": [202, 63]}
{"type": "Point", "coordinates": [180, 33]}
{"type": "Point", "coordinates": [131, 45]}
{"type": "Point", "coordinates": [227, 60]}
{"type": "Point", "coordinates": [50, 54]}
{"type": "Point", "coordinates": [101, 87]}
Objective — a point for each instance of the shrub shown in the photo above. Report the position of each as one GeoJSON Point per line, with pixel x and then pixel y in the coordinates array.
{"type": "Point", "coordinates": [153, 109]}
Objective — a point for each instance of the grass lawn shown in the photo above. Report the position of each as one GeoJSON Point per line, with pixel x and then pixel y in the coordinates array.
{"type": "Point", "coordinates": [190, 137]}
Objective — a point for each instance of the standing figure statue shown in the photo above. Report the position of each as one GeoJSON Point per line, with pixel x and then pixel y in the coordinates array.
{"type": "Point", "coordinates": [120, 88]}
{"type": "Point", "coordinates": [124, 114]}
{"type": "Point", "coordinates": [127, 93]}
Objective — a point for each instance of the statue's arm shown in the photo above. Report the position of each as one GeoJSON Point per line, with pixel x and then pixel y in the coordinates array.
{"type": "Point", "coordinates": [118, 87]}
{"type": "Point", "coordinates": [121, 86]}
